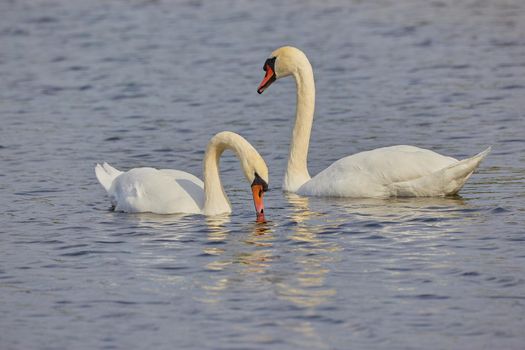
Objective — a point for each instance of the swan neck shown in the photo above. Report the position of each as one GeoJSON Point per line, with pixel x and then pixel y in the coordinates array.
{"type": "Point", "coordinates": [215, 199]}
{"type": "Point", "coordinates": [297, 169]}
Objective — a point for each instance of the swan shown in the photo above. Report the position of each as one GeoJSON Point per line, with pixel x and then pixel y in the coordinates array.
{"type": "Point", "coordinates": [404, 171]}
{"type": "Point", "coordinates": [168, 191]}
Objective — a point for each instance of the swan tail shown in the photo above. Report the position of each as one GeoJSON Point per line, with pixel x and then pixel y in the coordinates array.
{"type": "Point", "coordinates": [457, 174]}
{"type": "Point", "coordinates": [106, 174]}
{"type": "Point", "coordinates": [445, 182]}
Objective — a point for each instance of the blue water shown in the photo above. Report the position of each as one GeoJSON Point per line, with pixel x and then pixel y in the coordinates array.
{"type": "Point", "coordinates": [147, 83]}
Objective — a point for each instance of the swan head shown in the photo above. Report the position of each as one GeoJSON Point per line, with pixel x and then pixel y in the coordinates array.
{"type": "Point", "coordinates": [284, 61]}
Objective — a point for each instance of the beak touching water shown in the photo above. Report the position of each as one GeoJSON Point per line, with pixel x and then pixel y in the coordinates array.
{"type": "Point", "coordinates": [269, 77]}
{"type": "Point", "coordinates": [258, 193]}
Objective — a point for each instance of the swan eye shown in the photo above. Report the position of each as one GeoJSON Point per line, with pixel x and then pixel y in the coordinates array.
{"type": "Point", "coordinates": [259, 181]}
{"type": "Point", "coordinates": [270, 63]}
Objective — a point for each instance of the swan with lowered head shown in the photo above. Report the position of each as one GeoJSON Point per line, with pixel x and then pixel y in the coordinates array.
{"type": "Point", "coordinates": [168, 191]}
{"type": "Point", "coordinates": [404, 171]}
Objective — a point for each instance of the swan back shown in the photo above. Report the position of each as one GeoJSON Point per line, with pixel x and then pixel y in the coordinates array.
{"type": "Point", "coordinates": [158, 191]}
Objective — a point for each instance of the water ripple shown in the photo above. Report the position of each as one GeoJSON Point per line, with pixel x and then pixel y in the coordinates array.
{"type": "Point", "coordinates": [146, 83]}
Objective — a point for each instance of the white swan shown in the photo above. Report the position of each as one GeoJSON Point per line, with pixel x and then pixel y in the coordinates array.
{"type": "Point", "coordinates": [384, 172]}
{"type": "Point", "coordinates": [169, 191]}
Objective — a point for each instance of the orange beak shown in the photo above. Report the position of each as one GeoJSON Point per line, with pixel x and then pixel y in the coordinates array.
{"type": "Point", "coordinates": [269, 78]}
{"type": "Point", "coordinates": [258, 193]}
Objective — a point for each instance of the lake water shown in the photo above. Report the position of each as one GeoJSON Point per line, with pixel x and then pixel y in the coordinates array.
{"type": "Point", "coordinates": [147, 83]}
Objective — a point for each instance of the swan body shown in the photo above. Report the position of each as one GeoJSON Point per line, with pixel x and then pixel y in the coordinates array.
{"type": "Point", "coordinates": [396, 171]}
{"type": "Point", "coordinates": [161, 191]}
{"type": "Point", "coordinates": [404, 171]}
{"type": "Point", "coordinates": [168, 191]}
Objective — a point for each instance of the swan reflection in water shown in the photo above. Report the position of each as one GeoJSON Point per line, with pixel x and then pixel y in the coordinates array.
{"type": "Point", "coordinates": [313, 255]}
{"type": "Point", "coordinates": [310, 243]}
{"type": "Point", "coordinates": [399, 218]}
{"type": "Point", "coordinates": [302, 280]}
{"type": "Point", "coordinates": [245, 253]}
{"type": "Point", "coordinates": [290, 265]}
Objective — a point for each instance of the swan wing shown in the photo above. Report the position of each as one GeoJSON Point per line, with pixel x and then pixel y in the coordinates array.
{"type": "Point", "coordinates": [444, 182]}
{"type": "Point", "coordinates": [375, 173]}
{"type": "Point", "coordinates": [157, 191]}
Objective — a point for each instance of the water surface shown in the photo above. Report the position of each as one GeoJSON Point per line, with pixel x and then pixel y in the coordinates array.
{"type": "Point", "coordinates": [147, 83]}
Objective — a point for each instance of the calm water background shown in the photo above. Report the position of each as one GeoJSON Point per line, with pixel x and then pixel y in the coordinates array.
{"type": "Point", "coordinates": [139, 83]}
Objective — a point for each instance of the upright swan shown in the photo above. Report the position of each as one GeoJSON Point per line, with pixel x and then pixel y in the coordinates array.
{"type": "Point", "coordinates": [169, 191]}
{"type": "Point", "coordinates": [383, 172]}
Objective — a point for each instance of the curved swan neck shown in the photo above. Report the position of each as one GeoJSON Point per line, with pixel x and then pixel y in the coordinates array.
{"type": "Point", "coordinates": [297, 169]}
{"type": "Point", "coordinates": [215, 199]}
